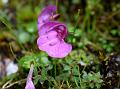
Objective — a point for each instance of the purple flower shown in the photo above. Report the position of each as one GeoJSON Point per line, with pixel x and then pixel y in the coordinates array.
{"type": "Point", "coordinates": [29, 83]}
{"type": "Point", "coordinates": [52, 35]}
{"type": "Point", "coordinates": [47, 14]}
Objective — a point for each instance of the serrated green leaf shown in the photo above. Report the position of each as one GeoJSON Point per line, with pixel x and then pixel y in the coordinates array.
{"type": "Point", "coordinates": [35, 58]}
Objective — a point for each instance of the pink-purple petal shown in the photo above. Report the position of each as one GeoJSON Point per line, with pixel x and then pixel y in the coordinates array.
{"type": "Point", "coordinates": [46, 15]}
{"type": "Point", "coordinates": [46, 40]}
{"type": "Point", "coordinates": [47, 27]}
{"type": "Point", "coordinates": [53, 25]}
{"type": "Point", "coordinates": [60, 50]}
{"type": "Point", "coordinates": [29, 83]}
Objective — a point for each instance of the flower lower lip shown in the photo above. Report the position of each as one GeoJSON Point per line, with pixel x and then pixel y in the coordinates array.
{"type": "Point", "coordinates": [49, 42]}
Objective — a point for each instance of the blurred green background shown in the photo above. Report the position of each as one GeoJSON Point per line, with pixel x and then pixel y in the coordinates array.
{"type": "Point", "coordinates": [94, 32]}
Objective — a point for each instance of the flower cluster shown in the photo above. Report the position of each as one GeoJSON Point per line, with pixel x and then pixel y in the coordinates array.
{"type": "Point", "coordinates": [52, 34]}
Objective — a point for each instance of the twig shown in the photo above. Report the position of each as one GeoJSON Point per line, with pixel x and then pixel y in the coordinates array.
{"type": "Point", "coordinates": [3, 87]}
{"type": "Point", "coordinates": [8, 85]}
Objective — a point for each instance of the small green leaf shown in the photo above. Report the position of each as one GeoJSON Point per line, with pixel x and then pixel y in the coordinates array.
{"type": "Point", "coordinates": [26, 60]}
{"type": "Point", "coordinates": [24, 37]}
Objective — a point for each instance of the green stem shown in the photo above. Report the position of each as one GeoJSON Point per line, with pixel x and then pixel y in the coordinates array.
{"type": "Point", "coordinates": [56, 5]}
{"type": "Point", "coordinates": [76, 24]}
